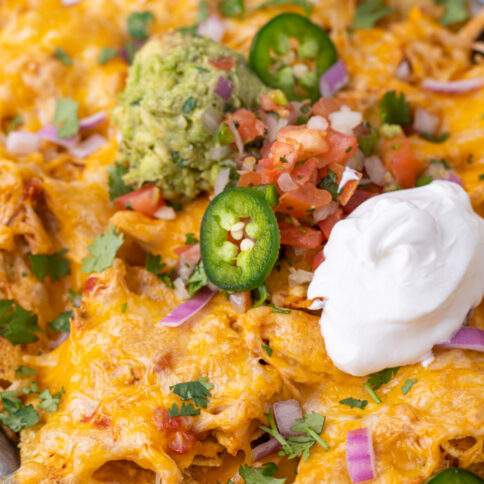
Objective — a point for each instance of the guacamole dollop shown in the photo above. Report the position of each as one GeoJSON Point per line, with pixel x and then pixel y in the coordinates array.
{"type": "Point", "coordinates": [162, 112]}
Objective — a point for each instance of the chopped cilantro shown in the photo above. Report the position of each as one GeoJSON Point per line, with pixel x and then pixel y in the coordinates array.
{"type": "Point", "coordinates": [14, 123]}
{"type": "Point", "coordinates": [481, 176]}
{"type": "Point", "coordinates": [197, 390]}
{"type": "Point", "coordinates": [260, 475]}
{"type": "Point", "coordinates": [25, 371]}
{"type": "Point", "coordinates": [49, 402]}
{"type": "Point", "coordinates": [376, 380]}
{"type": "Point", "coordinates": [61, 324]}
{"type": "Point", "coordinates": [17, 324]}
{"type": "Point", "coordinates": [189, 105]}
{"type": "Point", "coordinates": [203, 11]}
{"type": "Point", "coordinates": [124, 307]}
{"type": "Point", "coordinates": [409, 383]}
{"type": "Point", "coordinates": [330, 184]}
{"type": "Point", "coordinates": [267, 349]}
{"type": "Point", "coordinates": [455, 11]}
{"type": "Point", "coordinates": [178, 159]}
{"type": "Point", "coordinates": [277, 309]}
{"type": "Point", "coordinates": [394, 109]}
{"type": "Point", "coordinates": [260, 296]}
{"type": "Point", "coordinates": [65, 117]}
{"type": "Point", "coordinates": [74, 298]}
{"type": "Point", "coordinates": [306, 5]}
{"type": "Point", "coordinates": [31, 388]}
{"type": "Point", "coordinates": [102, 251]}
{"type": "Point", "coordinates": [116, 184]}
{"type": "Point", "coordinates": [106, 54]}
{"type": "Point", "coordinates": [154, 264]}
{"type": "Point", "coordinates": [354, 403]}
{"type": "Point", "coordinates": [190, 239]}
{"type": "Point", "coordinates": [197, 279]}
{"type": "Point", "coordinates": [185, 410]}
{"type": "Point", "coordinates": [435, 138]}
{"type": "Point", "coordinates": [231, 8]}
{"type": "Point", "coordinates": [56, 266]}
{"type": "Point", "coordinates": [22, 417]}
{"type": "Point", "coordinates": [368, 142]}
{"type": "Point", "coordinates": [138, 23]}
{"type": "Point", "coordinates": [62, 56]}
{"type": "Point", "coordinates": [423, 180]}
{"type": "Point", "coordinates": [369, 12]}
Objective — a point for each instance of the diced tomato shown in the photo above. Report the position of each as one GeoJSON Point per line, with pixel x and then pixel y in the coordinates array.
{"type": "Point", "coordinates": [318, 259]}
{"type": "Point", "coordinates": [90, 284]}
{"type": "Point", "coordinates": [349, 188]}
{"type": "Point", "coordinates": [282, 154]}
{"type": "Point", "coordinates": [164, 422]}
{"type": "Point", "coordinates": [356, 200]}
{"type": "Point", "coordinates": [254, 178]}
{"type": "Point", "coordinates": [300, 202]}
{"type": "Point", "coordinates": [300, 236]}
{"type": "Point", "coordinates": [341, 147]}
{"type": "Point", "coordinates": [181, 442]}
{"type": "Point", "coordinates": [268, 104]}
{"type": "Point", "coordinates": [329, 222]}
{"type": "Point", "coordinates": [399, 158]}
{"type": "Point", "coordinates": [223, 63]}
{"type": "Point", "coordinates": [247, 124]}
{"type": "Point", "coordinates": [324, 107]}
{"type": "Point", "coordinates": [147, 200]}
{"type": "Point", "coordinates": [306, 173]}
{"type": "Point", "coordinates": [312, 141]}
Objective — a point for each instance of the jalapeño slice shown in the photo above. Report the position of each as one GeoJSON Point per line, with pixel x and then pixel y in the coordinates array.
{"type": "Point", "coordinates": [290, 53]}
{"type": "Point", "coordinates": [455, 475]}
{"type": "Point", "coordinates": [239, 239]}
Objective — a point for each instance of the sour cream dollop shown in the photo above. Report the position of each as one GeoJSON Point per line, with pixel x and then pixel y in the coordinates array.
{"type": "Point", "coordinates": [399, 276]}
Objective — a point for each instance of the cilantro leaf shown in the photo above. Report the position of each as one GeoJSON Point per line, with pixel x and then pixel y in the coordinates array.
{"type": "Point", "coordinates": [17, 324]}
{"type": "Point", "coordinates": [116, 184]}
{"type": "Point", "coordinates": [154, 264]}
{"type": "Point", "coordinates": [185, 410]}
{"type": "Point", "coordinates": [203, 11]}
{"type": "Point", "coordinates": [138, 23]}
{"type": "Point", "coordinates": [14, 123]}
{"type": "Point", "coordinates": [189, 105]}
{"type": "Point", "coordinates": [260, 475]}
{"type": "Point", "coordinates": [197, 279]}
{"type": "Point", "coordinates": [25, 371]}
{"type": "Point", "coordinates": [56, 266]}
{"type": "Point", "coordinates": [62, 56]}
{"type": "Point", "coordinates": [106, 54]}
{"type": "Point", "coordinates": [25, 416]}
{"type": "Point", "coordinates": [423, 180]}
{"type": "Point", "coordinates": [368, 142]}
{"type": "Point", "coordinates": [65, 117]}
{"type": "Point", "coordinates": [330, 184]}
{"type": "Point", "coordinates": [312, 425]}
{"type": "Point", "coordinates": [354, 403]}
{"type": "Point", "coordinates": [74, 297]}
{"type": "Point", "coordinates": [232, 8]}
{"type": "Point", "coordinates": [394, 109]}
{"type": "Point", "coordinates": [61, 324]}
{"type": "Point", "coordinates": [409, 383]}
{"type": "Point", "coordinates": [267, 349]}
{"type": "Point", "coordinates": [455, 11]}
{"type": "Point", "coordinates": [197, 390]}
{"type": "Point", "coordinates": [124, 307]}
{"type": "Point", "coordinates": [376, 380]}
{"type": "Point", "coordinates": [102, 251]}
{"type": "Point", "coordinates": [32, 388]}
{"type": "Point", "coordinates": [369, 12]}
{"type": "Point", "coordinates": [306, 5]}
{"type": "Point", "coordinates": [190, 239]}
{"type": "Point", "coordinates": [277, 309]}
{"type": "Point", "coordinates": [49, 402]}
{"type": "Point", "coordinates": [260, 295]}
{"type": "Point", "coordinates": [435, 138]}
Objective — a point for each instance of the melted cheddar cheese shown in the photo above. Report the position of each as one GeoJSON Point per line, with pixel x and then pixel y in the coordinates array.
{"type": "Point", "coordinates": [118, 364]}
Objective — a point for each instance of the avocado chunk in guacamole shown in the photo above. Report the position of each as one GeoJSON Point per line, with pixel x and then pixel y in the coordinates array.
{"type": "Point", "coordinates": [162, 114]}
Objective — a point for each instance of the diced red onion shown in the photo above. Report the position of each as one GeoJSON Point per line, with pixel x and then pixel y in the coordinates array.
{"type": "Point", "coordinates": [49, 133]}
{"type": "Point", "coordinates": [218, 152]}
{"type": "Point", "coordinates": [274, 124]}
{"type": "Point", "coordinates": [359, 455]}
{"type": "Point", "coordinates": [212, 28]}
{"type": "Point", "coordinates": [348, 175]}
{"type": "Point", "coordinates": [265, 449]}
{"type": "Point", "coordinates": [333, 79]}
{"type": "Point", "coordinates": [237, 138]}
{"type": "Point", "coordinates": [452, 177]}
{"type": "Point", "coordinates": [403, 70]}
{"type": "Point", "coordinates": [286, 183]}
{"type": "Point", "coordinates": [22, 142]}
{"type": "Point", "coordinates": [188, 309]}
{"type": "Point", "coordinates": [376, 170]}
{"type": "Point", "coordinates": [92, 121]}
{"type": "Point", "coordinates": [324, 212]}
{"type": "Point", "coordinates": [286, 412]}
{"type": "Point", "coordinates": [165, 213]}
{"type": "Point", "coordinates": [54, 343]}
{"type": "Point", "coordinates": [467, 338]}
{"type": "Point", "coordinates": [88, 146]}
{"type": "Point", "coordinates": [240, 301]}
{"type": "Point", "coordinates": [425, 122]}
{"type": "Point", "coordinates": [356, 161]}
{"type": "Point", "coordinates": [224, 88]}
{"type": "Point", "coordinates": [299, 276]}
{"type": "Point", "coordinates": [453, 87]}
{"type": "Point", "coordinates": [317, 122]}
{"type": "Point", "coordinates": [211, 120]}
{"type": "Point", "coordinates": [222, 180]}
